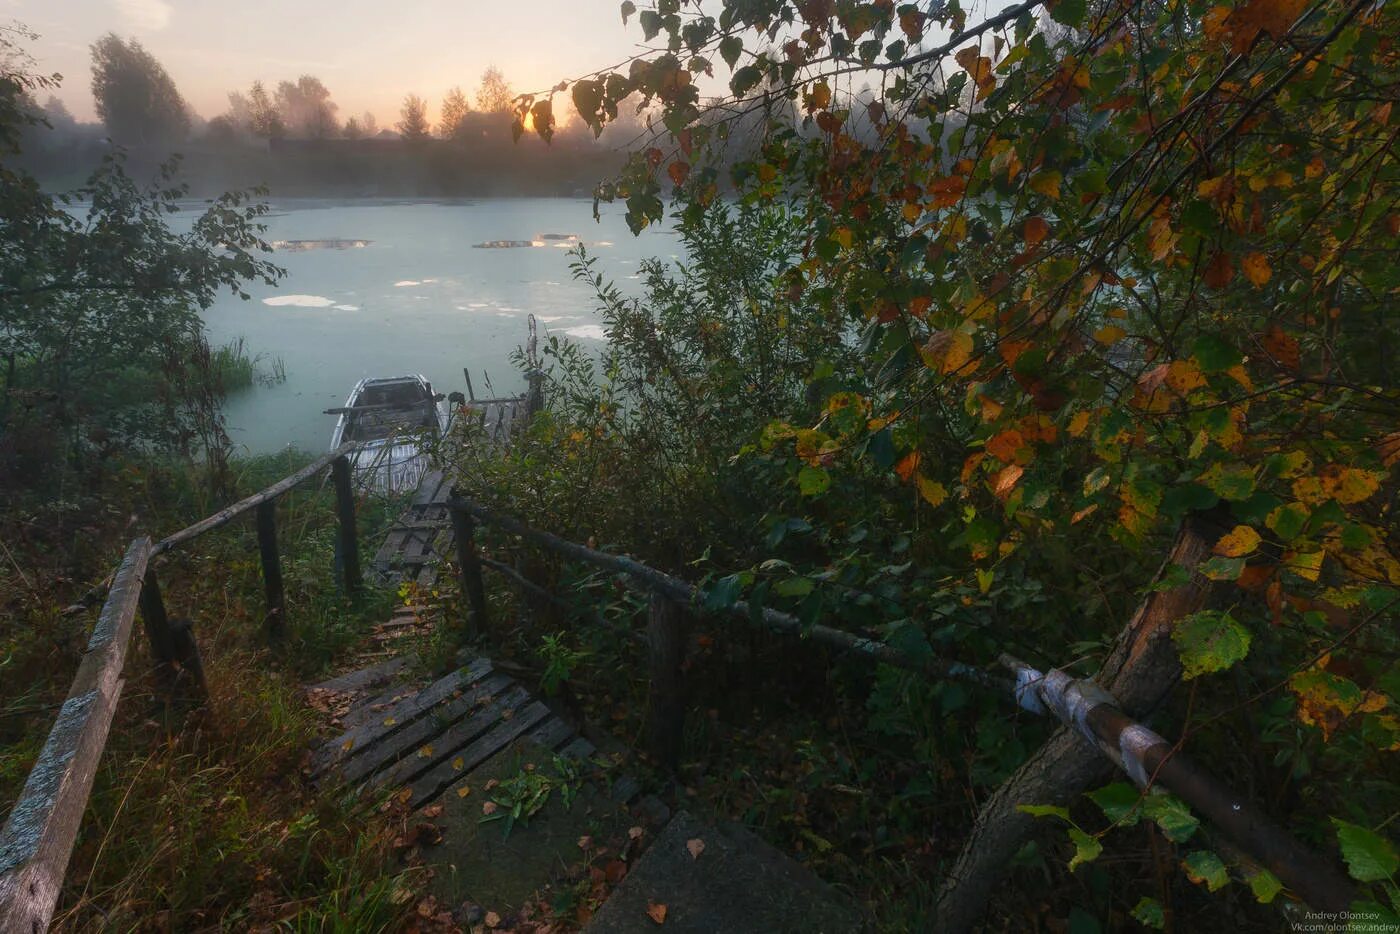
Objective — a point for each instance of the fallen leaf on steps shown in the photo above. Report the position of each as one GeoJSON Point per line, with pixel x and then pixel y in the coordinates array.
{"type": "Point", "coordinates": [696, 847]}
{"type": "Point", "coordinates": [656, 912]}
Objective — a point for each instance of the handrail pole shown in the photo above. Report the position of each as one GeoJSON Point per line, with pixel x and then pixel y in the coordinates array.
{"type": "Point", "coordinates": [666, 638]}
{"type": "Point", "coordinates": [469, 567]}
{"type": "Point", "coordinates": [157, 626]}
{"type": "Point", "coordinates": [38, 836]}
{"type": "Point", "coordinates": [179, 672]}
{"type": "Point", "coordinates": [276, 618]}
{"type": "Point", "coordinates": [347, 538]}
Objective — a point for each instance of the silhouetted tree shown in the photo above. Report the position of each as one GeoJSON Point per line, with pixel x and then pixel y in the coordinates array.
{"type": "Point", "coordinates": [352, 129]}
{"type": "Point", "coordinates": [368, 125]}
{"type": "Point", "coordinates": [136, 99]}
{"type": "Point", "coordinates": [413, 122]}
{"type": "Point", "coordinates": [454, 113]}
{"type": "Point", "coordinates": [306, 108]}
{"type": "Point", "coordinates": [494, 95]}
{"type": "Point", "coordinates": [264, 120]}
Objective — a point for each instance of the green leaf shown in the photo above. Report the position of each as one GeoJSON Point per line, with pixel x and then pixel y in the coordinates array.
{"type": "Point", "coordinates": [1370, 857]}
{"type": "Point", "coordinates": [1209, 641]}
{"type": "Point", "coordinates": [730, 47]}
{"type": "Point", "coordinates": [1223, 569]}
{"type": "Point", "coordinates": [1149, 913]}
{"type": "Point", "coordinates": [1086, 848]}
{"type": "Point", "coordinates": [1172, 815]}
{"type": "Point", "coordinates": [813, 481]}
{"type": "Point", "coordinates": [1288, 521]}
{"type": "Point", "coordinates": [1215, 355]}
{"type": "Point", "coordinates": [628, 8]}
{"type": "Point", "coordinates": [793, 587]}
{"type": "Point", "coordinates": [1068, 12]}
{"type": "Point", "coordinates": [744, 79]}
{"type": "Point", "coordinates": [651, 24]}
{"type": "Point", "coordinates": [1120, 802]}
{"type": "Point", "coordinates": [1264, 885]}
{"type": "Point", "coordinates": [723, 593]}
{"type": "Point", "coordinates": [1204, 867]}
{"type": "Point", "coordinates": [1044, 810]}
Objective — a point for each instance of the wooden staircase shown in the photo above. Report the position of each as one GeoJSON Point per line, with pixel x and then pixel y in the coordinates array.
{"type": "Point", "coordinates": [438, 747]}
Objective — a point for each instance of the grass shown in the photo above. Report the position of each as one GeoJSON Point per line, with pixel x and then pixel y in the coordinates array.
{"type": "Point", "coordinates": [210, 825]}
{"type": "Point", "coordinates": [237, 370]}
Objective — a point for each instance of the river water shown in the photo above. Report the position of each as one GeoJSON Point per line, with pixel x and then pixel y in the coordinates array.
{"type": "Point", "coordinates": [377, 288]}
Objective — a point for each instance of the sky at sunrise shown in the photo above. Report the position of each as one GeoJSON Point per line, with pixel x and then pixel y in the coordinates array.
{"type": "Point", "coordinates": [369, 53]}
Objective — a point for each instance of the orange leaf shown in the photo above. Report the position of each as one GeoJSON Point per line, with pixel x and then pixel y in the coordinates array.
{"type": "Point", "coordinates": [1006, 480]}
{"type": "Point", "coordinates": [696, 847]}
{"type": "Point", "coordinates": [1256, 268]}
{"type": "Point", "coordinates": [1219, 271]}
{"type": "Point", "coordinates": [679, 172]}
{"type": "Point", "coordinates": [1035, 230]}
{"type": "Point", "coordinates": [907, 465]}
{"type": "Point", "coordinates": [1282, 347]}
{"type": "Point", "coordinates": [656, 912]}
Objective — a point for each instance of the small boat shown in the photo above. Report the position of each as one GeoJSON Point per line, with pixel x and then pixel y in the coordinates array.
{"type": "Point", "coordinates": [396, 421]}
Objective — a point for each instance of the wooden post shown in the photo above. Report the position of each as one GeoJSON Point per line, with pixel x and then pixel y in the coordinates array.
{"type": "Point", "coordinates": [666, 634]}
{"type": "Point", "coordinates": [157, 626]}
{"type": "Point", "coordinates": [190, 684]}
{"type": "Point", "coordinates": [347, 539]}
{"type": "Point", "coordinates": [534, 400]}
{"type": "Point", "coordinates": [469, 567]}
{"type": "Point", "coordinates": [276, 619]}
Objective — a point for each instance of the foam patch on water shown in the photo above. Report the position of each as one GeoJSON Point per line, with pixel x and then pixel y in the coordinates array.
{"type": "Point", "coordinates": [504, 314]}
{"type": "Point", "coordinates": [477, 305]}
{"type": "Point", "coordinates": [592, 332]}
{"type": "Point", "coordinates": [300, 301]}
{"type": "Point", "coordinates": [405, 283]}
{"type": "Point", "coordinates": [346, 307]}
{"type": "Point", "coordinates": [550, 319]}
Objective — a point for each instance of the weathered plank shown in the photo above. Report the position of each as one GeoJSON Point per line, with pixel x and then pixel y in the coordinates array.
{"type": "Point", "coordinates": [225, 516]}
{"type": "Point", "coordinates": [446, 746]}
{"type": "Point", "coordinates": [424, 730]}
{"type": "Point", "coordinates": [363, 679]}
{"type": "Point", "coordinates": [397, 716]}
{"type": "Point", "coordinates": [554, 733]}
{"type": "Point", "coordinates": [436, 780]}
{"type": "Point", "coordinates": [38, 837]}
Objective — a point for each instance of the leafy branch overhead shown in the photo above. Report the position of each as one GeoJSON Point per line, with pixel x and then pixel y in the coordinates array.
{"type": "Point", "coordinates": [1103, 264]}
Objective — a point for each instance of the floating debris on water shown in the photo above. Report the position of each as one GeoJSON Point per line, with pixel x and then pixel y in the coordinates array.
{"type": "Point", "coordinates": [300, 301]}
{"type": "Point", "coordinates": [293, 246]}
{"type": "Point", "coordinates": [592, 332]}
{"type": "Point", "coordinates": [563, 241]}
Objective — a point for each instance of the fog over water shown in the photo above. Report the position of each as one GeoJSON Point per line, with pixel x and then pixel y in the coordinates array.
{"type": "Point", "coordinates": [404, 290]}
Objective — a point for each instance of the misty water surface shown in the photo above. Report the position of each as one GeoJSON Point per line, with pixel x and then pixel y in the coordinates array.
{"type": "Point", "coordinates": [416, 298]}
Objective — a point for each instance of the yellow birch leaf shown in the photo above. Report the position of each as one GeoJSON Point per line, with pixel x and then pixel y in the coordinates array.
{"type": "Point", "coordinates": [1109, 334]}
{"type": "Point", "coordinates": [1241, 541]}
{"type": "Point", "coordinates": [1046, 183]}
{"type": "Point", "coordinates": [931, 490]}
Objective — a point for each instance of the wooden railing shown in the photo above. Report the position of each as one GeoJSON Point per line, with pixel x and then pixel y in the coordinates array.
{"type": "Point", "coordinates": [38, 837]}
{"type": "Point", "coordinates": [1079, 704]}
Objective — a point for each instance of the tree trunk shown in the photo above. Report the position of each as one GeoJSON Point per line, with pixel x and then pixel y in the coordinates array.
{"type": "Point", "coordinates": [1141, 669]}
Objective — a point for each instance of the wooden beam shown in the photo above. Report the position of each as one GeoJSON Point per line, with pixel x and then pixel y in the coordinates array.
{"type": "Point", "coordinates": [775, 620]}
{"type": "Point", "coordinates": [38, 837]}
{"type": "Point", "coordinates": [276, 619]}
{"type": "Point", "coordinates": [469, 567]}
{"type": "Point", "coordinates": [666, 637]}
{"type": "Point", "coordinates": [227, 515]}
